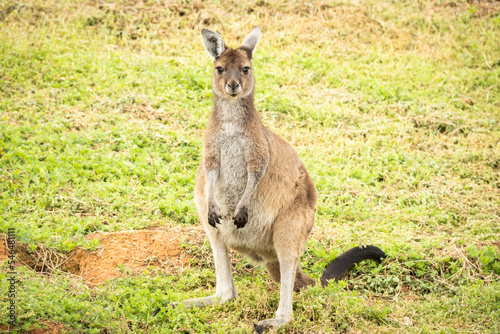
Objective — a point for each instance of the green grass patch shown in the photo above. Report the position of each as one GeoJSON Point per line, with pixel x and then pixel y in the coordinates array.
{"type": "Point", "coordinates": [394, 108]}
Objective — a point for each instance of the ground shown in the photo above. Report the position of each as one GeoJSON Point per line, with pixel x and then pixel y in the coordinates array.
{"type": "Point", "coordinates": [119, 253]}
{"type": "Point", "coordinates": [393, 106]}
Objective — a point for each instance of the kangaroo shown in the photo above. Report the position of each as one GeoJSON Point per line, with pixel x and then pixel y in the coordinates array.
{"type": "Point", "coordinates": [253, 193]}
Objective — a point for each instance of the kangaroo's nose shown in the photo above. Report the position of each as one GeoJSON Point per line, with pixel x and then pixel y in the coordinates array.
{"type": "Point", "coordinates": [233, 87]}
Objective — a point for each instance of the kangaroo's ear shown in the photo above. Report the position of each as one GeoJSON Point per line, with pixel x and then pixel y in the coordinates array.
{"type": "Point", "coordinates": [252, 40]}
{"type": "Point", "coordinates": [213, 43]}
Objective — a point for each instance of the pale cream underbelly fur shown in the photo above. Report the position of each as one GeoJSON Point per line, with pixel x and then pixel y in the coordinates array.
{"type": "Point", "coordinates": [254, 239]}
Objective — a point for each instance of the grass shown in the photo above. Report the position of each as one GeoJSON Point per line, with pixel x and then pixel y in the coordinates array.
{"type": "Point", "coordinates": [394, 108]}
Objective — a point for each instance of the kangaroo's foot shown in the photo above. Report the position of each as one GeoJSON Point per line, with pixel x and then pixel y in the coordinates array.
{"type": "Point", "coordinates": [269, 323]}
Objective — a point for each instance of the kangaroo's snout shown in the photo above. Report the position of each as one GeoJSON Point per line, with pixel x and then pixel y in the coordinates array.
{"type": "Point", "coordinates": [233, 87]}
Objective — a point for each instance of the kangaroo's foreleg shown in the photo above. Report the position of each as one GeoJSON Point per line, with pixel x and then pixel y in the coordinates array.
{"type": "Point", "coordinates": [241, 213]}
{"type": "Point", "coordinates": [256, 168]}
{"type": "Point", "coordinates": [211, 164]}
{"type": "Point", "coordinates": [214, 215]}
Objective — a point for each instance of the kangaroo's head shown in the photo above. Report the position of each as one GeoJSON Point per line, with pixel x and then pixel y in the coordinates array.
{"type": "Point", "coordinates": [233, 76]}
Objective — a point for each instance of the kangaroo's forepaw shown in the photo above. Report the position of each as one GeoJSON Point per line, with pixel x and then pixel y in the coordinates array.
{"type": "Point", "coordinates": [214, 217]}
{"type": "Point", "coordinates": [241, 217]}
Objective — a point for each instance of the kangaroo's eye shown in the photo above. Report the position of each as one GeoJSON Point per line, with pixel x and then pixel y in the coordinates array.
{"type": "Point", "coordinates": [245, 70]}
{"type": "Point", "coordinates": [220, 70]}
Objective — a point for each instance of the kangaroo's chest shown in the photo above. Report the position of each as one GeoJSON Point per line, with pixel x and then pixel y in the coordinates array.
{"type": "Point", "coordinates": [232, 180]}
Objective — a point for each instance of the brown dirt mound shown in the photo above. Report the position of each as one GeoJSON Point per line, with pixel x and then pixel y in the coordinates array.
{"type": "Point", "coordinates": [22, 256]}
{"type": "Point", "coordinates": [46, 327]}
{"type": "Point", "coordinates": [118, 254]}
{"type": "Point", "coordinates": [128, 252]}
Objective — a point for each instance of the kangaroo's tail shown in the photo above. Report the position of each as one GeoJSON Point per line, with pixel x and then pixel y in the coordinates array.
{"type": "Point", "coordinates": [338, 267]}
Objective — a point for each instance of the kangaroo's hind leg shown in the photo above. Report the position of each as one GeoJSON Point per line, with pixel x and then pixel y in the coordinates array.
{"type": "Point", "coordinates": [290, 232]}
{"type": "Point", "coordinates": [301, 281]}
{"type": "Point", "coordinates": [225, 289]}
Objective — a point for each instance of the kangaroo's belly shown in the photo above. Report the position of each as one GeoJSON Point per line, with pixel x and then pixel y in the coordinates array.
{"type": "Point", "coordinates": [255, 238]}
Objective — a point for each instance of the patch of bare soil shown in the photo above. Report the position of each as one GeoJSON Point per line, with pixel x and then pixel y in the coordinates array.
{"type": "Point", "coordinates": [22, 256]}
{"type": "Point", "coordinates": [46, 327]}
{"type": "Point", "coordinates": [125, 252]}
{"type": "Point", "coordinates": [118, 254]}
